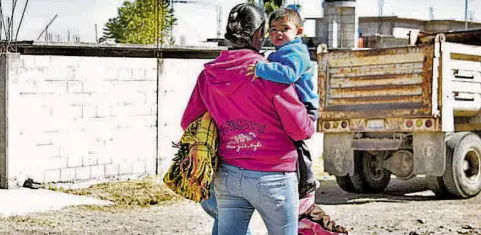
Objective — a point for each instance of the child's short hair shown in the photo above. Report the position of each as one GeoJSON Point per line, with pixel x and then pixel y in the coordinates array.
{"type": "Point", "coordinates": [291, 15]}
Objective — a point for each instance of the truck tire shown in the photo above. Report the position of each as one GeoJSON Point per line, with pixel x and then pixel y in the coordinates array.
{"type": "Point", "coordinates": [345, 184]}
{"type": "Point", "coordinates": [462, 176]}
{"type": "Point", "coordinates": [369, 179]}
{"type": "Point", "coordinates": [436, 184]}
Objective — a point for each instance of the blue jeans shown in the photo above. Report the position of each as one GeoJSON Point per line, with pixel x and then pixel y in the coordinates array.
{"type": "Point", "coordinates": [273, 194]}
{"type": "Point", "coordinates": [210, 206]}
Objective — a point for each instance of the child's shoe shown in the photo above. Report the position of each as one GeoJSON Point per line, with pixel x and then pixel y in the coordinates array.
{"type": "Point", "coordinates": [316, 222]}
{"type": "Point", "coordinates": [308, 188]}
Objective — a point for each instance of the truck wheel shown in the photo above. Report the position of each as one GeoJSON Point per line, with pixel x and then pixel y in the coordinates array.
{"type": "Point", "coordinates": [462, 176]}
{"type": "Point", "coordinates": [436, 184]}
{"type": "Point", "coordinates": [370, 177]}
{"type": "Point", "coordinates": [345, 184]}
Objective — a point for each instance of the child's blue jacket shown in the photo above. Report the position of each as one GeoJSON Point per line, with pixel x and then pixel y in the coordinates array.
{"type": "Point", "coordinates": [290, 63]}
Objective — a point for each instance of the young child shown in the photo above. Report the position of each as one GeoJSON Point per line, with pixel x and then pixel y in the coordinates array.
{"type": "Point", "coordinates": [290, 63]}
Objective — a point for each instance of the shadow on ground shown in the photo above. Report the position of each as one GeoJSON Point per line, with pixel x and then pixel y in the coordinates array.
{"type": "Point", "coordinates": [398, 191]}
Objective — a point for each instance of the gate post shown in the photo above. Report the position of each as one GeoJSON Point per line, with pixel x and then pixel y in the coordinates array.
{"type": "Point", "coordinates": [3, 122]}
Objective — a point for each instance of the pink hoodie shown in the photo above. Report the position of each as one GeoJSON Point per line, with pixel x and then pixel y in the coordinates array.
{"type": "Point", "coordinates": [257, 120]}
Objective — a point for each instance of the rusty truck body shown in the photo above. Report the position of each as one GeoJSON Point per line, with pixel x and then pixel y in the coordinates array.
{"type": "Point", "coordinates": [406, 111]}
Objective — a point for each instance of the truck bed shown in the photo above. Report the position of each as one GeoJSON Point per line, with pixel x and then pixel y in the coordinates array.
{"type": "Point", "coordinates": [394, 82]}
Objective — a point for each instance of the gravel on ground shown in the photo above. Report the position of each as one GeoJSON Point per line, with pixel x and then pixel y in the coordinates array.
{"type": "Point", "coordinates": [406, 208]}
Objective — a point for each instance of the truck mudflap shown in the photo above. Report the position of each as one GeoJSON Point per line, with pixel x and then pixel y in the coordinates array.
{"type": "Point", "coordinates": [338, 154]}
{"type": "Point", "coordinates": [429, 153]}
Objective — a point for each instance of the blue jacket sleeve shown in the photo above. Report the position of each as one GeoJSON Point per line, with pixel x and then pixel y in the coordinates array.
{"type": "Point", "coordinates": [292, 64]}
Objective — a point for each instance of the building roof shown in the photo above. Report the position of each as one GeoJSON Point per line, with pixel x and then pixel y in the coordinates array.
{"type": "Point", "coordinates": [403, 19]}
{"type": "Point", "coordinates": [396, 18]}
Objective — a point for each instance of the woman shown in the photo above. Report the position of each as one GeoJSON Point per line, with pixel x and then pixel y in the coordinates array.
{"type": "Point", "coordinates": [257, 121]}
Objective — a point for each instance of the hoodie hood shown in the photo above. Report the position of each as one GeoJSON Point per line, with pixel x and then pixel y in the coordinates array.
{"type": "Point", "coordinates": [227, 72]}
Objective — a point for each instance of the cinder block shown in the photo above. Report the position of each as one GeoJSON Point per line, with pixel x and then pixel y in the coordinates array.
{"type": "Point", "coordinates": [90, 111]}
{"type": "Point", "coordinates": [27, 61]}
{"type": "Point", "coordinates": [74, 161]}
{"type": "Point", "coordinates": [40, 155]}
{"type": "Point", "coordinates": [82, 173]}
{"type": "Point", "coordinates": [52, 176]}
{"type": "Point", "coordinates": [52, 86]}
{"type": "Point", "coordinates": [111, 169]}
{"type": "Point", "coordinates": [139, 167]}
{"type": "Point", "coordinates": [97, 172]}
{"type": "Point", "coordinates": [67, 175]}
{"type": "Point", "coordinates": [151, 73]}
{"type": "Point", "coordinates": [125, 168]}
{"type": "Point", "coordinates": [71, 73]}
{"type": "Point", "coordinates": [89, 160]}
{"type": "Point", "coordinates": [125, 73]}
{"type": "Point", "coordinates": [71, 112]}
{"type": "Point", "coordinates": [54, 73]}
{"type": "Point", "coordinates": [44, 140]}
{"type": "Point", "coordinates": [103, 160]}
{"type": "Point", "coordinates": [150, 167]}
{"type": "Point", "coordinates": [57, 162]}
{"type": "Point", "coordinates": [104, 110]}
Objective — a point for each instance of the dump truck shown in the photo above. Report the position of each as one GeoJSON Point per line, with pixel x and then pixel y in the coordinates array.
{"type": "Point", "coordinates": [405, 111]}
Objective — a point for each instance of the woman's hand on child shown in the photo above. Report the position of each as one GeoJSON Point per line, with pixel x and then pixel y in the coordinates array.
{"type": "Point", "coordinates": [251, 70]}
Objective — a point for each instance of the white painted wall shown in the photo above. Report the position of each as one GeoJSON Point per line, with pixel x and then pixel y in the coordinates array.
{"type": "Point", "coordinates": [80, 118]}
{"type": "Point", "coordinates": [177, 82]}
{"type": "Point", "coordinates": [73, 119]}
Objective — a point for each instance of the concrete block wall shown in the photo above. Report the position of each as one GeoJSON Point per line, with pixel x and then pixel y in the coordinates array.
{"type": "Point", "coordinates": [176, 84]}
{"type": "Point", "coordinates": [71, 119]}
{"type": "Point", "coordinates": [80, 118]}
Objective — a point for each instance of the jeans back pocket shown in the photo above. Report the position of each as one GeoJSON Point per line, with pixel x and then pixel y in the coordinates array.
{"type": "Point", "coordinates": [273, 191]}
{"type": "Point", "coordinates": [220, 184]}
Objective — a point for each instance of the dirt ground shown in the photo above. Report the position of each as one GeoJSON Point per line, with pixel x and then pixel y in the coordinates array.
{"type": "Point", "coordinates": [406, 208]}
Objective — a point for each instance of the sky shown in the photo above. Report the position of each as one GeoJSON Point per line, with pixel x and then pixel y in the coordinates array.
{"type": "Point", "coordinates": [198, 21]}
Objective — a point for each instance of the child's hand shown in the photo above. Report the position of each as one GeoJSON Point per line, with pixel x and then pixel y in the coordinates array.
{"type": "Point", "coordinates": [251, 70]}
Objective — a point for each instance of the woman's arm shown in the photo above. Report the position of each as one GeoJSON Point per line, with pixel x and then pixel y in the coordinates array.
{"type": "Point", "coordinates": [293, 115]}
{"type": "Point", "coordinates": [196, 107]}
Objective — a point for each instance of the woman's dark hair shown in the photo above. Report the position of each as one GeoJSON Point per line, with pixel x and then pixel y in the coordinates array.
{"type": "Point", "coordinates": [244, 20]}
